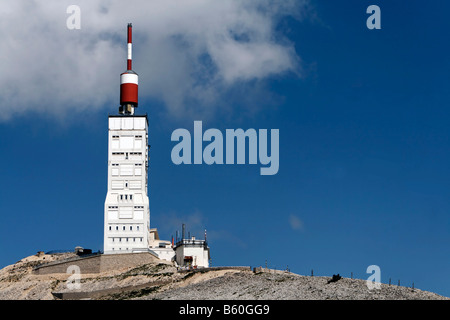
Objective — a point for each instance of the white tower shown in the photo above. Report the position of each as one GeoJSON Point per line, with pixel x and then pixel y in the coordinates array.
{"type": "Point", "coordinates": [127, 212]}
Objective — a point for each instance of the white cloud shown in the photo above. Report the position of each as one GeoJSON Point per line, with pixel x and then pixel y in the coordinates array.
{"type": "Point", "coordinates": [228, 237]}
{"type": "Point", "coordinates": [295, 222]}
{"type": "Point", "coordinates": [170, 222]}
{"type": "Point", "coordinates": [187, 53]}
{"type": "Point", "coordinates": [196, 224]}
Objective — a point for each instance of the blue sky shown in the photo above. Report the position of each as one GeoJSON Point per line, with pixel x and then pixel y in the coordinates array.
{"type": "Point", "coordinates": [364, 147]}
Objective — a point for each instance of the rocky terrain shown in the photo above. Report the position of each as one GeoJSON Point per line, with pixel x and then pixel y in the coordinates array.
{"type": "Point", "coordinates": [162, 281]}
{"type": "Point", "coordinates": [267, 286]}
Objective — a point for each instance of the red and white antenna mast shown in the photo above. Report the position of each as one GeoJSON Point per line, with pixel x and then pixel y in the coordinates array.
{"type": "Point", "coordinates": [128, 82]}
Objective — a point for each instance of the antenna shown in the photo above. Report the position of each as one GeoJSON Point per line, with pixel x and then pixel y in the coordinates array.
{"type": "Point", "coordinates": [130, 46]}
{"type": "Point", "coordinates": [129, 81]}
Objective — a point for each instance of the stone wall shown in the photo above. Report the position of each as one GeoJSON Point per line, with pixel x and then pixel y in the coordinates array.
{"type": "Point", "coordinates": [99, 263]}
{"type": "Point", "coordinates": [110, 262]}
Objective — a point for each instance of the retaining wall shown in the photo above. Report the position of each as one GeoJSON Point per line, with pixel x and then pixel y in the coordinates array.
{"type": "Point", "coordinates": [99, 263]}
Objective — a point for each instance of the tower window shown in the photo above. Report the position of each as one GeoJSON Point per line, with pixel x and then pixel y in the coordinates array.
{"type": "Point", "coordinates": [123, 228]}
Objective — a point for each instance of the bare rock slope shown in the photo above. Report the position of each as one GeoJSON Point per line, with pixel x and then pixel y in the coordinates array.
{"type": "Point", "coordinates": [163, 281]}
{"type": "Point", "coordinates": [267, 286]}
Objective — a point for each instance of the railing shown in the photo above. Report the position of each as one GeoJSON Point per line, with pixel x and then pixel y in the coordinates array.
{"type": "Point", "coordinates": [192, 242]}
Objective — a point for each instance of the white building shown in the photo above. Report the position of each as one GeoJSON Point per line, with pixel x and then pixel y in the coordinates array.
{"type": "Point", "coordinates": [127, 213]}
{"type": "Point", "coordinates": [127, 210]}
{"type": "Point", "coordinates": [192, 253]}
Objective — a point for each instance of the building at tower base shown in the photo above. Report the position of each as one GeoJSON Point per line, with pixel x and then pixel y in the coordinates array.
{"type": "Point", "coordinates": [163, 249]}
{"type": "Point", "coordinates": [192, 253]}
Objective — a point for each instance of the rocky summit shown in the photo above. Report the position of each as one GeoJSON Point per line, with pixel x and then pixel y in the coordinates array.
{"type": "Point", "coordinates": [163, 281]}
